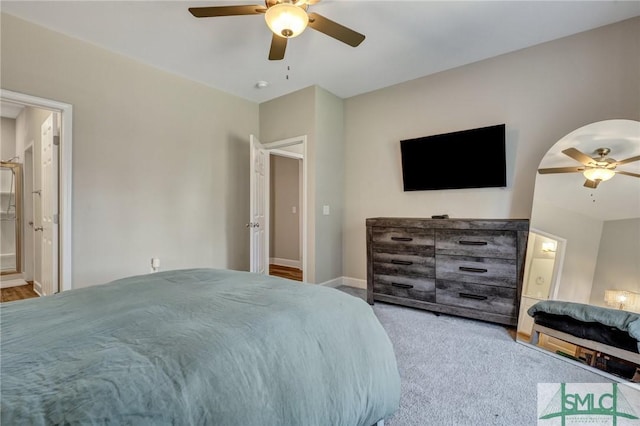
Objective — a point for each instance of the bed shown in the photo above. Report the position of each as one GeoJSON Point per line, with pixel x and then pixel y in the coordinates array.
{"type": "Point", "coordinates": [196, 347]}
{"type": "Point", "coordinates": [610, 331]}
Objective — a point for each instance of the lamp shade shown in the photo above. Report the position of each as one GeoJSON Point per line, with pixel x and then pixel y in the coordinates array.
{"type": "Point", "coordinates": [597, 173]}
{"type": "Point", "coordinates": [286, 19]}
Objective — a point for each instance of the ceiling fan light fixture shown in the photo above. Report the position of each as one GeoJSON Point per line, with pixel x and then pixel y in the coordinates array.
{"type": "Point", "coordinates": [598, 174]}
{"type": "Point", "coordinates": [286, 19]}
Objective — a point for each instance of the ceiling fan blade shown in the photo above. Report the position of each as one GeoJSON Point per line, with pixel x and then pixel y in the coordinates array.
{"type": "Point", "coordinates": [278, 46]}
{"type": "Point", "coordinates": [213, 11]}
{"type": "Point", "coordinates": [578, 156]}
{"type": "Point", "coordinates": [560, 170]}
{"type": "Point", "coordinates": [628, 160]}
{"type": "Point", "coordinates": [591, 183]}
{"type": "Point", "coordinates": [622, 172]}
{"type": "Point", "coordinates": [335, 30]}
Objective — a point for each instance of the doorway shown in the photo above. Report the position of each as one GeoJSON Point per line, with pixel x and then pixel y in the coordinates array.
{"type": "Point", "coordinates": [48, 200]}
{"type": "Point", "coordinates": [543, 266]}
{"type": "Point", "coordinates": [260, 220]}
{"type": "Point", "coordinates": [285, 232]}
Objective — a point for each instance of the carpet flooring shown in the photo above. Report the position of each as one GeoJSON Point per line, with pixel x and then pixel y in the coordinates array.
{"type": "Point", "coordinates": [458, 371]}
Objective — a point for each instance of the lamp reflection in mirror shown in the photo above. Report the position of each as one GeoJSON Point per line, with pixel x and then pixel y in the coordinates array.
{"type": "Point", "coordinates": [621, 299]}
{"type": "Point", "coordinates": [598, 174]}
{"type": "Point", "coordinates": [549, 247]}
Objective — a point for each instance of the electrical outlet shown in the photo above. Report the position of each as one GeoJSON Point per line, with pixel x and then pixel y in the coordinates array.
{"type": "Point", "coordinates": [155, 264]}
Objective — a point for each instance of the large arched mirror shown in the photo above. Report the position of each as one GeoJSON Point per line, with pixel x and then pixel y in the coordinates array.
{"type": "Point", "coordinates": [584, 244]}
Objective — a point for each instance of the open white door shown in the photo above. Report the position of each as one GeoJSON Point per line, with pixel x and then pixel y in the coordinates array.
{"type": "Point", "coordinates": [259, 169]}
{"type": "Point", "coordinates": [49, 207]}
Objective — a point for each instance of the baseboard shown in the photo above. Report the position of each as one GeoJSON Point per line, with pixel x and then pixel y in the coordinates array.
{"type": "Point", "coordinates": [285, 262]}
{"type": "Point", "coordinates": [336, 282]}
{"type": "Point", "coordinates": [349, 282]}
{"type": "Point", "coordinates": [354, 282]}
{"type": "Point", "coordinates": [15, 282]}
{"type": "Point", "coordinates": [37, 287]}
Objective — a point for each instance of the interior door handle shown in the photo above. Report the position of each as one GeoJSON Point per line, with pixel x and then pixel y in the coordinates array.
{"type": "Point", "coordinates": [38, 228]}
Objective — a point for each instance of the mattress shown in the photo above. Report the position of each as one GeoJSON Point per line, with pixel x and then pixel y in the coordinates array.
{"type": "Point", "coordinates": [588, 316]}
{"type": "Point", "coordinates": [595, 331]}
{"type": "Point", "coordinates": [197, 347]}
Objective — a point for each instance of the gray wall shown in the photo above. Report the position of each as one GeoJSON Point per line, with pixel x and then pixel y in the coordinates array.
{"type": "Point", "coordinates": [542, 93]}
{"type": "Point", "coordinates": [160, 163]}
{"type": "Point", "coordinates": [618, 265]}
{"type": "Point", "coordinates": [582, 234]}
{"type": "Point", "coordinates": [284, 228]}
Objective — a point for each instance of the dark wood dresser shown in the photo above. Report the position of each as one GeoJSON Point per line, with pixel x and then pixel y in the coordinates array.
{"type": "Point", "coordinates": [466, 267]}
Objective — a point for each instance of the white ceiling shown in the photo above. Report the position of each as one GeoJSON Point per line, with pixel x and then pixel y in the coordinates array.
{"type": "Point", "coordinates": [617, 198]}
{"type": "Point", "coordinates": [404, 39]}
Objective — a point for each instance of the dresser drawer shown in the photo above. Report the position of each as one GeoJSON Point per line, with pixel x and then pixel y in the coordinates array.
{"type": "Point", "coordinates": [404, 264]}
{"type": "Point", "coordinates": [498, 244]}
{"type": "Point", "coordinates": [479, 270]}
{"type": "Point", "coordinates": [486, 298]}
{"type": "Point", "coordinates": [403, 236]}
{"type": "Point", "coordinates": [411, 288]}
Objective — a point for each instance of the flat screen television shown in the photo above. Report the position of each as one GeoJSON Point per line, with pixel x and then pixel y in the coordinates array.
{"type": "Point", "coordinates": [472, 158]}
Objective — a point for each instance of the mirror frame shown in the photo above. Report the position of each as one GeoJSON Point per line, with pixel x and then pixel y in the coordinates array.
{"type": "Point", "coordinates": [16, 169]}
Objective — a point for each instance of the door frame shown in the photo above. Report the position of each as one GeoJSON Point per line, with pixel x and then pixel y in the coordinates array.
{"type": "Point", "coordinates": [64, 179]}
{"type": "Point", "coordinates": [558, 263]}
{"type": "Point", "coordinates": [28, 266]}
{"type": "Point", "coordinates": [276, 148]}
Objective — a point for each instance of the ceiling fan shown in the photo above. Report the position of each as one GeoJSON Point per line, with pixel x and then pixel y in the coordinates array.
{"type": "Point", "coordinates": [595, 169]}
{"type": "Point", "coordinates": [286, 19]}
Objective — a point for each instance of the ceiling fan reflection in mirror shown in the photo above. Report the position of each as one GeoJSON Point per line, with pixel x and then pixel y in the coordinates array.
{"type": "Point", "coordinates": [286, 19]}
{"type": "Point", "coordinates": [595, 169]}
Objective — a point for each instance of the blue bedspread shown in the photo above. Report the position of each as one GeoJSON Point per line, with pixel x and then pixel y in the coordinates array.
{"type": "Point", "coordinates": [196, 347]}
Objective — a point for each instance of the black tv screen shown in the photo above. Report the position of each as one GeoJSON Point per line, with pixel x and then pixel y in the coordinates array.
{"type": "Point", "coordinates": [472, 158]}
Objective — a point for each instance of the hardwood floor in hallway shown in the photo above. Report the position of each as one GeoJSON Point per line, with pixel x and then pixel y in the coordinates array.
{"type": "Point", "coordinates": [285, 272]}
{"type": "Point", "coordinates": [20, 292]}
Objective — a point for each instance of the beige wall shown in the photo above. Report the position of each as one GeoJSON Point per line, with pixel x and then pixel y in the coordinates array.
{"type": "Point", "coordinates": [287, 117]}
{"type": "Point", "coordinates": [284, 228]}
{"type": "Point", "coordinates": [542, 93]}
{"type": "Point", "coordinates": [318, 114]}
{"type": "Point", "coordinates": [7, 138]}
{"type": "Point", "coordinates": [329, 184]}
{"type": "Point", "coordinates": [160, 163]}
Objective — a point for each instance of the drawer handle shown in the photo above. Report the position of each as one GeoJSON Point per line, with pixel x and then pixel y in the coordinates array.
{"type": "Point", "coordinates": [472, 296]}
{"type": "Point", "coordinates": [472, 243]}
{"type": "Point", "coordinates": [401, 262]}
{"type": "Point", "coordinates": [478, 270]}
{"type": "Point", "coordinates": [407, 286]}
{"type": "Point", "coordinates": [401, 239]}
